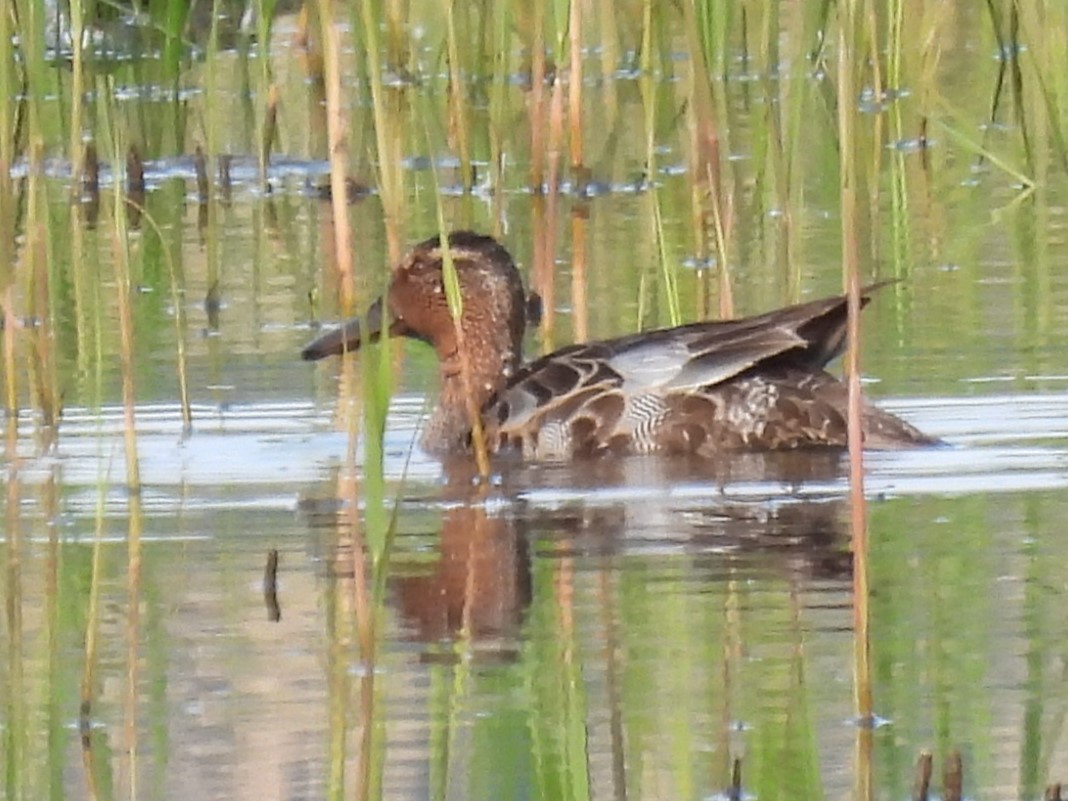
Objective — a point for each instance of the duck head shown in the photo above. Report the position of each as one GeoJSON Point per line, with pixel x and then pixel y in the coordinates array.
{"type": "Point", "coordinates": [494, 316]}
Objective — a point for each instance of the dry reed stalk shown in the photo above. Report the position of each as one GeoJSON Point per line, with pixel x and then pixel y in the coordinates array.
{"type": "Point", "coordinates": [397, 47]}
{"type": "Point", "coordinates": [579, 304]}
{"type": "Point", "coordinates": [552, 199]}
{"type": "Point", "coordinates": [307, 42]}
{"type": "Point", "coordinates": [77, 87]}
{"type": "Point", "coordinates": [543, 276]}
{"type": "Point", "coordinates": [610, 53]}
{"type": "Point", "coordinates": [574, 97]}
{"type": "Point", "coordinates": [846, 99]}
{"type": "Point", "coordinates": [337, 146]}
{"type": "Point", "coordinates": [537, 109]}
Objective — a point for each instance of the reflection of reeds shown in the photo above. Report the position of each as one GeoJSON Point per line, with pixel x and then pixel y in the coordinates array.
{"type": "Point", "coordinates": [92, 630]}
{"type": "Point", "coordinates": [120, 252]}
{"type": "Point", "coordinates": [36, 258]}
{"type": "Point", "coordinates": [16, 745]}
{"type": "Point", "coordinates": [8, 213]}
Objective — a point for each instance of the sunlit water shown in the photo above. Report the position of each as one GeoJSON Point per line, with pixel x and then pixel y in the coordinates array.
{"type": "Point", "coordinates": [711, 606]}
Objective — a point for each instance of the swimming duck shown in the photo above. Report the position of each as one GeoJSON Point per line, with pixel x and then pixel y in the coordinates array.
{"type": "Point", "coordinates": [756, 383]}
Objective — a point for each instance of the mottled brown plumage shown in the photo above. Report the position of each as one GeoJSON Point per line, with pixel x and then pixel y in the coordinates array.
{"type": "Point", "coordinates": [756, 383]}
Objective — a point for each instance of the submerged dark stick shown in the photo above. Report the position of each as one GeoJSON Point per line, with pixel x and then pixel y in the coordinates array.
{"type": "Point", "coordinates": [270, 587]}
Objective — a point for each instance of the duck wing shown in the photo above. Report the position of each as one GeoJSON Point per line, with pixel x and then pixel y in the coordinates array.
{"type": "Point", "coordinates": [588, 389]}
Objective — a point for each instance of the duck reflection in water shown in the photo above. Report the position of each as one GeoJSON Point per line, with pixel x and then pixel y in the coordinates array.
{"type": "Point", "coordinates": [480, 585]}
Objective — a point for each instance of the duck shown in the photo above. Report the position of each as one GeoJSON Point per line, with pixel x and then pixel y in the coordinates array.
{"type": "Point", "coordinates": [706, 388]}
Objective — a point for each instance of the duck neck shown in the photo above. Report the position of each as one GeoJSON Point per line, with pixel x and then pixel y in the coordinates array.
{"type": "Point", "coordinates": [449, 427]}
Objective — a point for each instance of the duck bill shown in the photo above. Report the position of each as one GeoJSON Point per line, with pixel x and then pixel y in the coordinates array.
{"type": "Point", "coordinates": [351, 334]}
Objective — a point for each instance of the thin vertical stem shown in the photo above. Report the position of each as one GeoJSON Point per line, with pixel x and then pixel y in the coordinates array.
{"type": "Point", "coordinates": [387, 138]}
{"type": "Point", "coordinates": [847, 111]}
{"type": "Point", "coordinates": [574, 90]}
{"type": "Point", "coordinates": [457, 106]}
{"type": "Point", "coordinates": [338, 149]}
{"type": "Point", "coordinates": [537, 99]}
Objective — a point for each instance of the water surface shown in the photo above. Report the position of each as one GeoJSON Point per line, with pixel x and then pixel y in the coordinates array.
{"type": "Point", "coordinates": [621, 630]}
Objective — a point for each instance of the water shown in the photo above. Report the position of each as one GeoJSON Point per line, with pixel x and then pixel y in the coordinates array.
{"type": "Point", "coordinates": [621, 629]}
